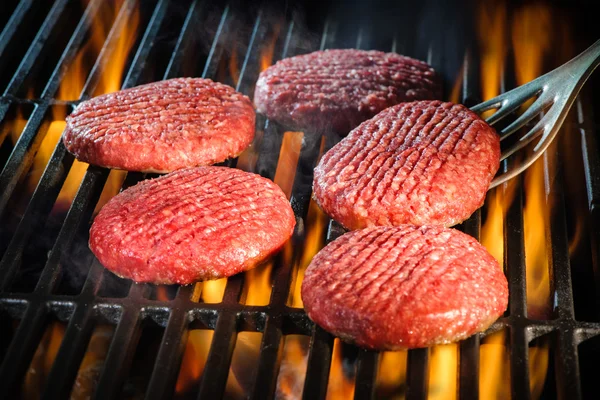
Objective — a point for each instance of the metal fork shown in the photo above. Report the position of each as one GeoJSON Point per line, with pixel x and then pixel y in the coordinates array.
{"type": "Point", "coordinates": [556, 92]}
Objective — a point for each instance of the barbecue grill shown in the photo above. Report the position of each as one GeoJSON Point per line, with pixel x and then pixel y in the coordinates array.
{"type": "Point", "coordinates": [71, 328]}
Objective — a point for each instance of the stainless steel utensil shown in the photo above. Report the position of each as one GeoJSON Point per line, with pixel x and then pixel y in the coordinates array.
{"type": "Point", "coordinates": [554, 95]}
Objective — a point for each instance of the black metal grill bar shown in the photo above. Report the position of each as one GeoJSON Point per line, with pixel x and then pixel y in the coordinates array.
{"type": "Point", "coordinates": [71, 352]}
{"type": "Point", "coordinates": [13, 22]}
{"type": "Point", "coordinates": [214, 378]}
{"type": "Point", "coordinates": [418, 374]}
{"type": "Point", "coordinates": [514, 261]}
{"type": "Point", "coordinates": [22, 348]}
{"type": "Point", "coordinates": [81, 212]}
{"type": "Point", "coordinates": [141, 56]}
{"type": "Point", "coordinates": [366, 372]}
{"type": "Point", "coordinates": [319, 363]}
{"type": "Point", "coordinates": [118, 358]}
{"type": "Point", "coordinates": [567, 359]}
{"type": "Point", "coordinates": [216, 50]}
{"type": "Point", "coordinates": [468, 364]}
{"type": "Point", "coordinates": [40, 205]}
{"type": "Point", "coordinates": [183, 39]}
{"type": "Point", "coordinates": [36, 47]}
{"type": "Point", "coordinates": [468, 353]}
{"type": "Point", "coordinates": [31, 138]}
{"type": "Point", "coordinates": [225, 318]}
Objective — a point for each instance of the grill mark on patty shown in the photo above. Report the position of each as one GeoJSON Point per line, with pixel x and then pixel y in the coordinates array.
{"type": "Point", "coordinates": [384, 276]}
{"type": "Point", "coordinates": [339, 88]}
{"type": "Point", "coordinates": [207, 124]}
{"type": "Point", "coordinates": [396, 161]}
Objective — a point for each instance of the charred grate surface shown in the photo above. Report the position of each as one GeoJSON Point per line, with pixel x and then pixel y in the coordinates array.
{"type": "Point", "coordinates": [200, 38]}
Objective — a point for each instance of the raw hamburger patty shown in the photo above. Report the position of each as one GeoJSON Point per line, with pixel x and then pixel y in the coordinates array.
{"type": "Point", "coordinates": [192, 224]}
{"type": "Point", "coordinates": [338, 89]}
{"type": "Point", "coordinates": [162, 126]}
{"type": "Point", "coordinates": [418, 163]}
{"type": "Point", "coordinates": [391, 288]}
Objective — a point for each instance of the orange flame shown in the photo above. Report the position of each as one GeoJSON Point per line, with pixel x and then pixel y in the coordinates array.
{"type": "Point", "coordinates": [339, 386]}
{"type": "Point", "coordinates": [91, 365]}
{"type": "Point", "coordinates": [42, 361]}
{"type": "Point", "coordinates": [267, 52]}
{"type": "Point", "coordinates": [161, 293]}
{"type": "Point", "coordinates": [258, 283]}
{"type": "Point", "coordinates": [316, 225]}
{"type": "Point", "coordinates": [71, 87]}
{"type": "Point", "coordinates": [532, 39]}
{"type": "Point", "coordinates": [194, 358]}
{"type": "Point", "coordinates": [292, 373]}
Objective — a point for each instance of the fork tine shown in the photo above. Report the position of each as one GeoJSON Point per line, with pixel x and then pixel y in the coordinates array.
{"type": "Point", "coordinates": [508, 175]}
{"type": "Point", "coordinates": [511, 103]}
{"type": "Point", "coordinates": [548, 126]}
{"type": "Point", "coordinates": [523, 142]}
{"type": "Point", "coordinates": [488, 105]}
{"type": "Point", "coordinates": [534, 110]}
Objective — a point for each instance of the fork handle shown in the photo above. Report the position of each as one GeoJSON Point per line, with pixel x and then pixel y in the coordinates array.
{"type": "Point", "coordinates": [584, 64]}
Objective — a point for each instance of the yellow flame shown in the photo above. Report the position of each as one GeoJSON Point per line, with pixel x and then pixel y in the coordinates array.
{"type": "Point", "coordinates": [492, 39]}
{"type": "Point", "coordinates": [443, 366]}
{"type": "Point", "coordinates": [494, 370]}
{"type": "Point", "coordinates": [258, 284]}
{"type": "Point", "coordinates": [212, 291]}
{"type": "Point", "coordinates": [532, 32]}
{"type": "Point", "coordinates": [70, 89]}
{"type": "Point", "coordinates": [391, 374]}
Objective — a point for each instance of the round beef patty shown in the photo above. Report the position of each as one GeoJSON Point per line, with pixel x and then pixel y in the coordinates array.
{"type": "Point", "coordinates": [192, 224]}
{"type": "Point", "coordinates": [162, 126]}
{"type": "Point", "coordinates": [418, 163]}
{"type": "Point", "coordinates": [335, 90]}
{"type": "Point", "coordinates": [390, 288]}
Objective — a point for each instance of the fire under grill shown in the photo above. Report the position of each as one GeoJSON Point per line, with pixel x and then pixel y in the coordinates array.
{"type": "Point", "coordinates": [71, 328]}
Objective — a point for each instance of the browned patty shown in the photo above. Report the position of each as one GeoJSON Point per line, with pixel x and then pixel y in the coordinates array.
{"type": "Point", "coordinates": [390, 288]}
{"type": "Point", "coordinates": [335, 90]}
{"type": "Point", "coordinates": [192, 224]}
{"type": "Point", "coordinates": [424, 162]}
{"type": "Point", "coordinates": [162, 126]}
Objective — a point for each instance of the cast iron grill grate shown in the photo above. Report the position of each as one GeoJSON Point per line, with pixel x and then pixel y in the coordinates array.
{"type": "Point", "coordinates": [170, 44]}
